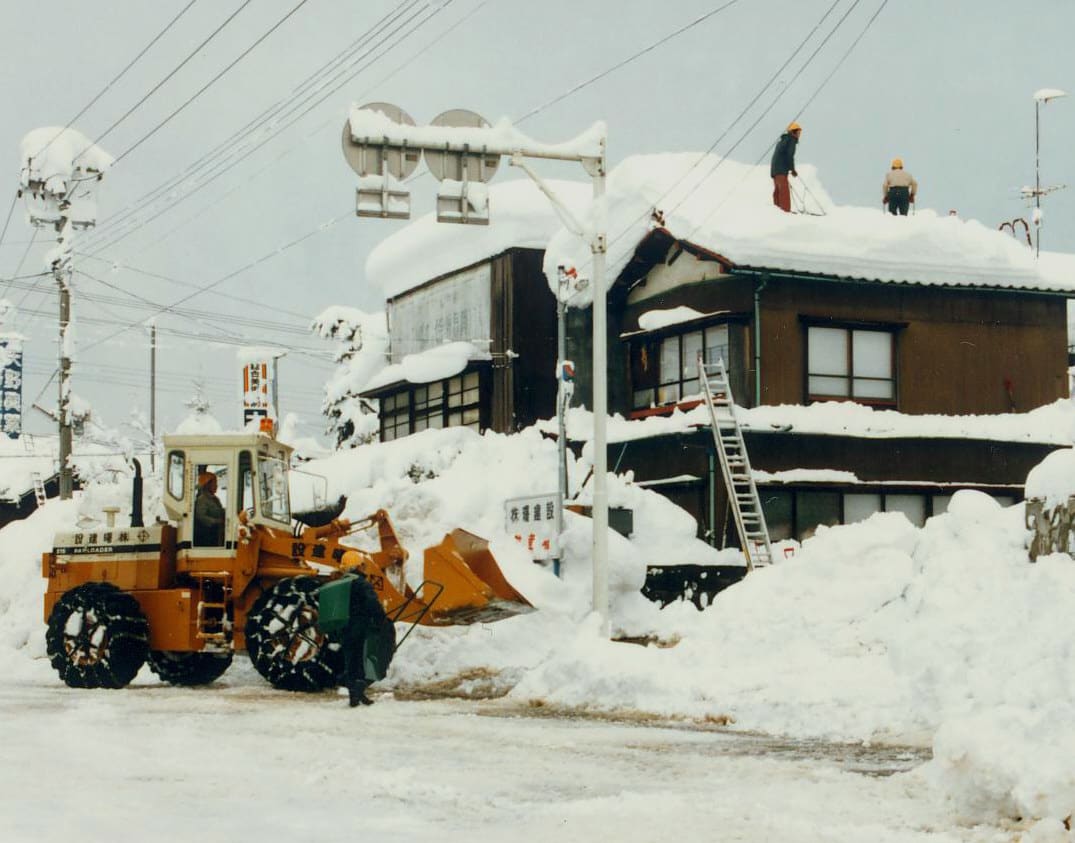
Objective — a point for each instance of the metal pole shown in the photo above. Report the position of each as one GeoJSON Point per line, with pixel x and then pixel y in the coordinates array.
{"type": "Point", "coordinates": [600, 402]}
{"type": "Point", "coordinates": [153, 396]}
{"type": "Point", "coordinates": [1037, 176]}
{"type": "Point", "coordinates": [275, 390]}
{"type": "Point", "coordinates": [561, 410]}
{"type": "Point", "coordinates": [66, 476]}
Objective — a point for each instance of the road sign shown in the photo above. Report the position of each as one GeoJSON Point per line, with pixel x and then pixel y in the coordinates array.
{"type": "Point", "coordinates": [461, 166]}
{"type": "Point", "coordinates": [377, 160]}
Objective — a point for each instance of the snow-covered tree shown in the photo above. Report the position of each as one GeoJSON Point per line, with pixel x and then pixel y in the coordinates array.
{"type": "Point", "coordinates": [362, 351]}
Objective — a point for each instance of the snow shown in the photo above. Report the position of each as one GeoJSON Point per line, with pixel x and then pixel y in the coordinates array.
{"type": "Point", "coordinates": [52, 154]}
{"type": "Point", "coordinates": [1052, 424]}
{"type": "Point", "coordinates": [1053, 479]}
{"type": "Point", "coordinates": [521, 217]}
{"type": "Point", "coordinates": [503, 137]}
{"type": "Point", "coordinates": [258, 354]}
{"type": "Point", "coordinates": [654, 320]}
{"type": "Point", "coordinates": [944, 636]}
{"type": "Point", "coordinates": [1046, 94]}
{"type": "Point", "coordinates": [434, 364]}
{"type": "Point", "coordinates": [726, 206]}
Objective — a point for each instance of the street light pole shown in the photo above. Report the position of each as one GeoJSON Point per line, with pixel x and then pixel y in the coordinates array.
{"type": "Point", "coordinates": [381, 134]}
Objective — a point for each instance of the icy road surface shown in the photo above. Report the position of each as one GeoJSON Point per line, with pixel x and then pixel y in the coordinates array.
{"type": "Point", "coordinates": [239, 761]}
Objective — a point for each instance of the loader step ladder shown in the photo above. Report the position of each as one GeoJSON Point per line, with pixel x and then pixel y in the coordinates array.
{"type": "Point", "coordinates": [211, 622]}
{"type": "Point", "coordinates": [735, 465]}
{"type": "Point", "coordinates": [39, 488]}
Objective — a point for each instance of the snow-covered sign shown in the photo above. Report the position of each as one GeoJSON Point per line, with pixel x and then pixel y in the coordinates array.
{"type": "Point", "coordinates": [11, 386]}
{"type": "Point", "coordinates": [532, 522]}
{"type": "Point", "coordinates": [455, 309]}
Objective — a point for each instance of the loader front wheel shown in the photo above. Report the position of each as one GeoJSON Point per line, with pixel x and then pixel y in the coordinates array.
{"type": "Point", "coordinates": [97, 637]}
{"type": "Point", "coordinates": [284, 642]}
{"type": "Point", "coordinates": [188, 669]}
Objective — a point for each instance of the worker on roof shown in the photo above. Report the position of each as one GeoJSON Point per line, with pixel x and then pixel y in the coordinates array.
{"type": "Point", "coordinates": [208, 513]}
{"type": "Point", "coordinates": [782, 164]}
{"type": "Point", "coordinates": [899, 189]}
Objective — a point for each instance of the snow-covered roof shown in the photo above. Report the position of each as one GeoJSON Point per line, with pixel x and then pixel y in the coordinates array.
{"type": "Point", "coordinates": [519, 216]}
{"type": "Point", "coordinates": [434, 364]}
{"type": "Point", "coordinates": [726, 207]}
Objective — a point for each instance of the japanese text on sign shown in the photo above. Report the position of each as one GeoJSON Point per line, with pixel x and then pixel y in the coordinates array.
{"type": "Point", "coordinates": [532, 522]}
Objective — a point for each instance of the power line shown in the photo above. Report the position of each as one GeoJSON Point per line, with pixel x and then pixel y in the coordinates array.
{"type": "Point", "coordinates": [225, 146]}
{"type": "Point", "coordinates": [170, 74]}
{"type": "Point", "coordinates": [227, 155]}
{"type": "Point", "coordinates": [246, 300]}
{"type": "Point", "coordinates": [626, 61]}
{"type": "Point", "coordinates": [211, 82]}
{"type": "Point", "coordinates": [119, 76]}
{"type": "Point", "coordinates": [812, 97]}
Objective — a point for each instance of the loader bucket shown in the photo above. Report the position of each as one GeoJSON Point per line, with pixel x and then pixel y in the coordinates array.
{"type": "Point", "coordinates": [475, 589]}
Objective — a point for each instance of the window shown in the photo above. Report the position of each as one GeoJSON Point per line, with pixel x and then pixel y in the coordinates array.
{"type": "Point", "coordinates": [454, 402]}
{"type": "Point", "coordinates": [245, 496]}
{"type": "Point", "coordinates": [464, 408]}
{"type": "Point", "coordinates": [666, 371]}
{"type": "Point", "coordinates": [850, 363]}
{"type": "Point", "coordinates": [913, 506]}
{"type": "Point", "coordinates": [429, 407]}
{"type": "Point", "coordinates": [272, 488]}
{"type": "Point", "coordinates": [860, 506]}
{"type": "Point", "coordinates": [176, 465]}
{"type": "Point", "coordinates": [395, 416]}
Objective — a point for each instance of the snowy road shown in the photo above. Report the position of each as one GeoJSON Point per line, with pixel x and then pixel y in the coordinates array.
{"type": "Point", "coordinates": [240, 761]}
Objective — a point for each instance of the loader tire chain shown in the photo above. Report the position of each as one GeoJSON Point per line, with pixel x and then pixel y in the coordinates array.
{"type": "Point", "coordinates": [97, 637]}
{"type": "Point", "coordinates": [188, 669]}
{"type": "Point", "coordinates": [284, 642]}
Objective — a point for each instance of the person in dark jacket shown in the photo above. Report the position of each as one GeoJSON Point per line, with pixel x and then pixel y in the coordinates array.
{"type": "Point", "coordinates": [369, 641]}
{"type": "Point", "coordinates": [784, 163]}
{"type": "Point", "coordinates": [208, 513]}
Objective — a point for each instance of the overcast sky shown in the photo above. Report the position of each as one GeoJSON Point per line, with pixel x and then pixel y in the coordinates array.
{"type": "Point", "coordinates": [945, 84]}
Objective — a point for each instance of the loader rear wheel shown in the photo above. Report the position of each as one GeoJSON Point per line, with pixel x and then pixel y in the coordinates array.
{"type": "Point", "coordinates": [97, 637]}
{"type": "Point", "coordinates": [188, 669]}
{"type": "Point", "coordinates": [284, 642]}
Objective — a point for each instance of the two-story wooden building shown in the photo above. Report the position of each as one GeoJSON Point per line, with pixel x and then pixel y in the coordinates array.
{"type": "Point", "coordinates": [882, 363]}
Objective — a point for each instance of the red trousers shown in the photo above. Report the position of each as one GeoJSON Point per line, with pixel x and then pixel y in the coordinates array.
{"type": "Point", "coordinates": [782, 193]}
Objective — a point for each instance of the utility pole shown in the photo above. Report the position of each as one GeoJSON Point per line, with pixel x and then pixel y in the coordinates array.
{"type": "Point", "coordinates": [153, 395]}
{"type": "Point", "coordinates": [62, 271]}
{"type": "Point", "coordinates": [57, 185]}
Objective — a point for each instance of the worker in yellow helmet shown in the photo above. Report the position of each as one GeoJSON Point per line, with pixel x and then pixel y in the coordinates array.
{"type": "Point", "coordinates": [899, 189]}
{"type": "Point", "coordinates": [782, 164]}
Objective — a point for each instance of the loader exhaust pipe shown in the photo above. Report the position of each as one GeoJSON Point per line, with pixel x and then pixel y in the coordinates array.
{"type": "Point", "coordinates": [136, 495]}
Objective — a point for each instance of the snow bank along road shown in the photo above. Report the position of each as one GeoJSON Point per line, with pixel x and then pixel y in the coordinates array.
{"type": "Point", "coordinates": [240, 761]}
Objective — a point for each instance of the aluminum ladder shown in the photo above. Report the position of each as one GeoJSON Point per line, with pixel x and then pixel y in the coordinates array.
{"type": "Point", "coordinates": [39, 488]}
{"type": "Point", "coordinates": [735, 464]}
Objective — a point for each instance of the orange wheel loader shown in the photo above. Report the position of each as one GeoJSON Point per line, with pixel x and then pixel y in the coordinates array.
{"type": "Point", "coordinates": [185, 594]}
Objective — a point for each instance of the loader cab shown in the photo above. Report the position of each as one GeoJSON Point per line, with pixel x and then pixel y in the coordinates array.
{"type": "Point", "coordinates": [209, 480]}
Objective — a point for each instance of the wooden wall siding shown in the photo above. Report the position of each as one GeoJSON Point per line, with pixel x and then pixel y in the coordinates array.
{"type": "Point", "coordinates": [971, 463]}
{"type": "Point", "coordinates": [706, 296]}
{"type": "Point", "coordinates": [533, 318]}
{"type": "Point", "coordinates": [955, 355]}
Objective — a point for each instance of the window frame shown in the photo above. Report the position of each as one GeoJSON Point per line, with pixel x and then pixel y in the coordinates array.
{"type": "Point", "coordinates": [849, 376]}
{"type": "Point", "coordinates": [460, 403]}
{"type": "Point", "coordinates": [652, 345]}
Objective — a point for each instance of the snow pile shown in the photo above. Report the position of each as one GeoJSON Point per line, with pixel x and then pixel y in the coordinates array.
{"type": "Point", "coordinates": [726, 206]}
{"type": "Point", "coordinates": [1053, 479]}
{"type": "Point", "coordinates": [1051, 424]}
{"type": "Point", "coordinates": [519, 216]}
{"type": "Point", "coordinates": [877, 631]}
